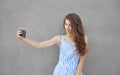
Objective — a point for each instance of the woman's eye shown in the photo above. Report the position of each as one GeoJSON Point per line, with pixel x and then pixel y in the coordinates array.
{"type": "Point", "coordinates": [65, 24]}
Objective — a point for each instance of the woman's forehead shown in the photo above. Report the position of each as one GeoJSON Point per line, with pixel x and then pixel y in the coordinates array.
{"type": "Point", "coordinates": [67, 21]}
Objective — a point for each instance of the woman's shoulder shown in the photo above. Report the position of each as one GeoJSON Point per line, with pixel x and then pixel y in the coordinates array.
{"type": "Point", "coordinates": [86, 39]}
{"type": "Point", "coordinates": [58, 37]}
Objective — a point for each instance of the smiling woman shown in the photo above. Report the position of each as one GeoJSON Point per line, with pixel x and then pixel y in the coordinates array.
{"type": "Point", "coordinates": [67, 26]}
{"type": "Point", "coordinates": [73, 46]}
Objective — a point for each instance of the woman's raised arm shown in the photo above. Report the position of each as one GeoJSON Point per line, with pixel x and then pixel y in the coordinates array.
{"type": "Point", "coordinates": [47, 43]}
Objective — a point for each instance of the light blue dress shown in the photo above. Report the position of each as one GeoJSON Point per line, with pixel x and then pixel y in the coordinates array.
{"type": "Point", "coordinates": [68, 59]}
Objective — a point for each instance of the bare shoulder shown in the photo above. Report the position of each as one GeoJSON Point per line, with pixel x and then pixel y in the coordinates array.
{"type": "Point", "coordinates": [57, 38]}
{"type": "Point", "coordinates": [86, 39]}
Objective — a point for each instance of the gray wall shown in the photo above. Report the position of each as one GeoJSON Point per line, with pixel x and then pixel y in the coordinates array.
{"type": "Point", "coordinates": [43, 19]}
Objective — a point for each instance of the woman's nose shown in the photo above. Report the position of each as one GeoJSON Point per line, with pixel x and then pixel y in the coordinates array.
{"type": "Point", "coordinates": [68, 27]}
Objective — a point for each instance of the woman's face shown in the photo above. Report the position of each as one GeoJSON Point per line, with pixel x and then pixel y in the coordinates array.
{"type": "Point", "coordinates": [67, 26]}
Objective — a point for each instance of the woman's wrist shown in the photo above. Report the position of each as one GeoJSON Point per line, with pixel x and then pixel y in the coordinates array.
{"type": "Point", "coordinates": [21, 38]}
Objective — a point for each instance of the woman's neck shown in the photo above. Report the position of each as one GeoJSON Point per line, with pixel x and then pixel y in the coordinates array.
{"type": "Point", "coordinates": [69, 35]}
{"type": "Point", "coordinates": [69, 38]}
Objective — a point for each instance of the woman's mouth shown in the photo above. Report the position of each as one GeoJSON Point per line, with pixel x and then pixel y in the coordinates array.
{"type": "Point", "coordinates": [68, 30]}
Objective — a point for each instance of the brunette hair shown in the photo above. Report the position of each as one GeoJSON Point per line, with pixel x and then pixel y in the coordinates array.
{"type": "Point", "coordinates": [77, 32]}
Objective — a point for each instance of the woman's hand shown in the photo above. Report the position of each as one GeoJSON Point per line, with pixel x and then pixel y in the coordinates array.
{"type": "Point", "coordinates": [19, 33]}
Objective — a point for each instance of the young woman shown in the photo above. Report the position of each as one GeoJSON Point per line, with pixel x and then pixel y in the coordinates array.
{"type": "Point", "coordinates": [73, 46]}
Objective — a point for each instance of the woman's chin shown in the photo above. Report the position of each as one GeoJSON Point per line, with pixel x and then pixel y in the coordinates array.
{"type": "Point", "coordinates": [67, 32]}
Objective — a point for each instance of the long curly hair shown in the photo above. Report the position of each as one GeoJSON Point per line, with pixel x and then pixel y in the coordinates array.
{"type": "Point", "coordinates": [77, 32]}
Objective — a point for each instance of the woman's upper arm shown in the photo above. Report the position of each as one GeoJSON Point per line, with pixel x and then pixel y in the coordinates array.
{"type": "Point", "coordinates": [47, 43]}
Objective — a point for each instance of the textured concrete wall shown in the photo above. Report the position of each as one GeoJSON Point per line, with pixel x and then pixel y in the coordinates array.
{"type": "Point", "coordinates": [43, 19]}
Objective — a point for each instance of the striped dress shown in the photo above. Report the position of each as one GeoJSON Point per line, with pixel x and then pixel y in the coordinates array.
{"type": "Point", "coordinates": [68, 59]}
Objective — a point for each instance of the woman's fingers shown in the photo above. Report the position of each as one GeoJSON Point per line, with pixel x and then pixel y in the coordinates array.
{"type": "Point", "coordinates": [20, 29]}
{"type": "Point", "coordinates": [19, 32]}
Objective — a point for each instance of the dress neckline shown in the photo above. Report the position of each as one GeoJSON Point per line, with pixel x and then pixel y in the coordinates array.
{"type": "Point", "coordinates": [67, 41]}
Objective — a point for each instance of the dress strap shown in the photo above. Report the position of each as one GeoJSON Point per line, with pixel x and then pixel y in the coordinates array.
{"type": "Point", "coordinates": [62, 38]}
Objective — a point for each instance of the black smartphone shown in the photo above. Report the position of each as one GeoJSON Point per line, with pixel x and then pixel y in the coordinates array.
{"type": "Point", "coordinates": [23, 33]}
